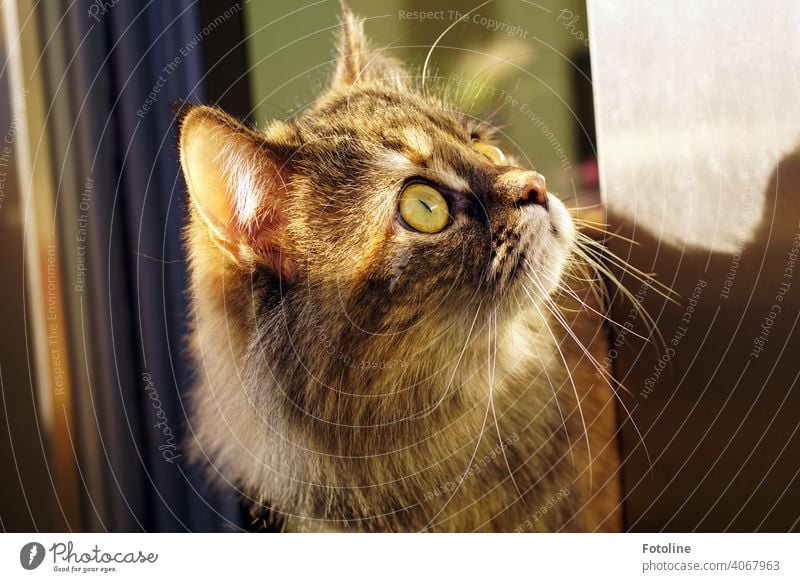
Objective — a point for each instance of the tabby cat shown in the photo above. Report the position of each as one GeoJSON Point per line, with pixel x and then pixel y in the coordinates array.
{"type": "Point", "coordinates": [368, 283]}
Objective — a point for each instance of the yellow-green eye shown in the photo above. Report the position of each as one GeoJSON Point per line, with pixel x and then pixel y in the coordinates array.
{"type": "Point", "coordinates": [423, 208]}
{"type": "Point", "coordinates": [495, 155]}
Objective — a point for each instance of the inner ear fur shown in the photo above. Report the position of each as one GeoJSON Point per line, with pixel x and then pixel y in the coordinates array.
{"type": "Point", "coordinates": [238, 186]}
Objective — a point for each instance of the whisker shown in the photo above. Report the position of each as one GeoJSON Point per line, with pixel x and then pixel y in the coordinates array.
{"type": "Point", "coordinates": [599, 268]}
{"type": "Point", "coordinates": [441, 36]}
{"type": "Point", "coordinates": [494, 411]}
{"type": "Point", "coordinates": [571, 381]}
{"type": "Point", "coordinates": [582, 223]}
{"type": "Point", "coordinates": [471, 459]}
{"type": "Point", "coordinates": [591, 245]}
{"type": "Point", "coordinates": [554, 310]}
{"type": "Point", "coordinates": [569, 291]}
{"type": "Point", "coordinates": [588, 221]}
{"type": "Point", "coordinates": [464, 475]}
{"type": "Point", "coordinates": [610, 379]}
{"type": "Point", "coordinates": [565, 325]}
{"type": "Point", "coordinates": [553, 390]}
{"type": "Point", "coordinates": [579, 208]}
{"type": "Point", "coordinates": [597, 284]}
{"type": "Point", "coordinates": [455, 368]}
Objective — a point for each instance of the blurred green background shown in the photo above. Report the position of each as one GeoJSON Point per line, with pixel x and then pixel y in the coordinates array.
{"type": "Point", "coordinates": [534, 52]}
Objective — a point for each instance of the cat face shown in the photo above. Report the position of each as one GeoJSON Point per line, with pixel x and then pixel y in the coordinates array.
{"type": "Point", "coordinates": [380, 203]}
{"type": "Point", "coordinates": [346, 267]}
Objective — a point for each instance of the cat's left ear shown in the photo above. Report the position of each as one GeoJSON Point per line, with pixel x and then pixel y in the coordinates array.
{"type": "Point", "coordinates": [358, 62]}
{"type": "Point", "coordinates": [238, 187]}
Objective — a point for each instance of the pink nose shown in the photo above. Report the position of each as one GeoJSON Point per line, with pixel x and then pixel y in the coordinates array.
{"type": "Point", "coordinates": [533, 190]}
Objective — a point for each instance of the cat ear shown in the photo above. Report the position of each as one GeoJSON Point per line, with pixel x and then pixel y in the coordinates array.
{"type": "Point", "coordinates": [357, 62]}
{"type": "Point", "coordinates": [237, 186]}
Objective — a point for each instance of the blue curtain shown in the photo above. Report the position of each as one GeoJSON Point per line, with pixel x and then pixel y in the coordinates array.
{"type": "Point", "coordinates": [124, 64]}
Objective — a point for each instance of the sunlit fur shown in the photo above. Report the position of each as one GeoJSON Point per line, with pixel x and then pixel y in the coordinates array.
{"type": "Point", "coordinates": [352, 374]}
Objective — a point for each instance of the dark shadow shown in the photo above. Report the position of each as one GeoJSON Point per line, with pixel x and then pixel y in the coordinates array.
{"type": "Point", "coordinates": [720, 413]}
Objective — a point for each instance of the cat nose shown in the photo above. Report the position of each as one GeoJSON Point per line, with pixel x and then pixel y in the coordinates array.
{"type": "Point", "coordinates": [532, 191]}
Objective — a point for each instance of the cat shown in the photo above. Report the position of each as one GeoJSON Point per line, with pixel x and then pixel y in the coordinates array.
{"type": "Point", "coordinates": [369, 284]}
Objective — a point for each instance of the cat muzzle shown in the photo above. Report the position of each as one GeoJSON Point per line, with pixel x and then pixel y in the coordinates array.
{"type": "Point", "coordinates": [533, 190]}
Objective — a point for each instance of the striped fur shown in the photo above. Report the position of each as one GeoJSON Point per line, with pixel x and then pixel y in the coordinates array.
{"type": "Point", "coordinates": [352, 374]}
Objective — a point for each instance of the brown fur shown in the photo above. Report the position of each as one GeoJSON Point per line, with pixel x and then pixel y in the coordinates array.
{"type": "Point", "coordinates": [355, 375]}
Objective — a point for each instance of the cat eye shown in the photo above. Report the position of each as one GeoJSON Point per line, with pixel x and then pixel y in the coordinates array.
{"type": "Point", "coordinates": [423, 208]}
{"type": "Point", "coordinates": [494, 154]}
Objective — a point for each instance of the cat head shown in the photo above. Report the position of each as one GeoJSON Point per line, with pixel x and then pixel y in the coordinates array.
{"type": "Point", "coordinates": [381, 205]}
